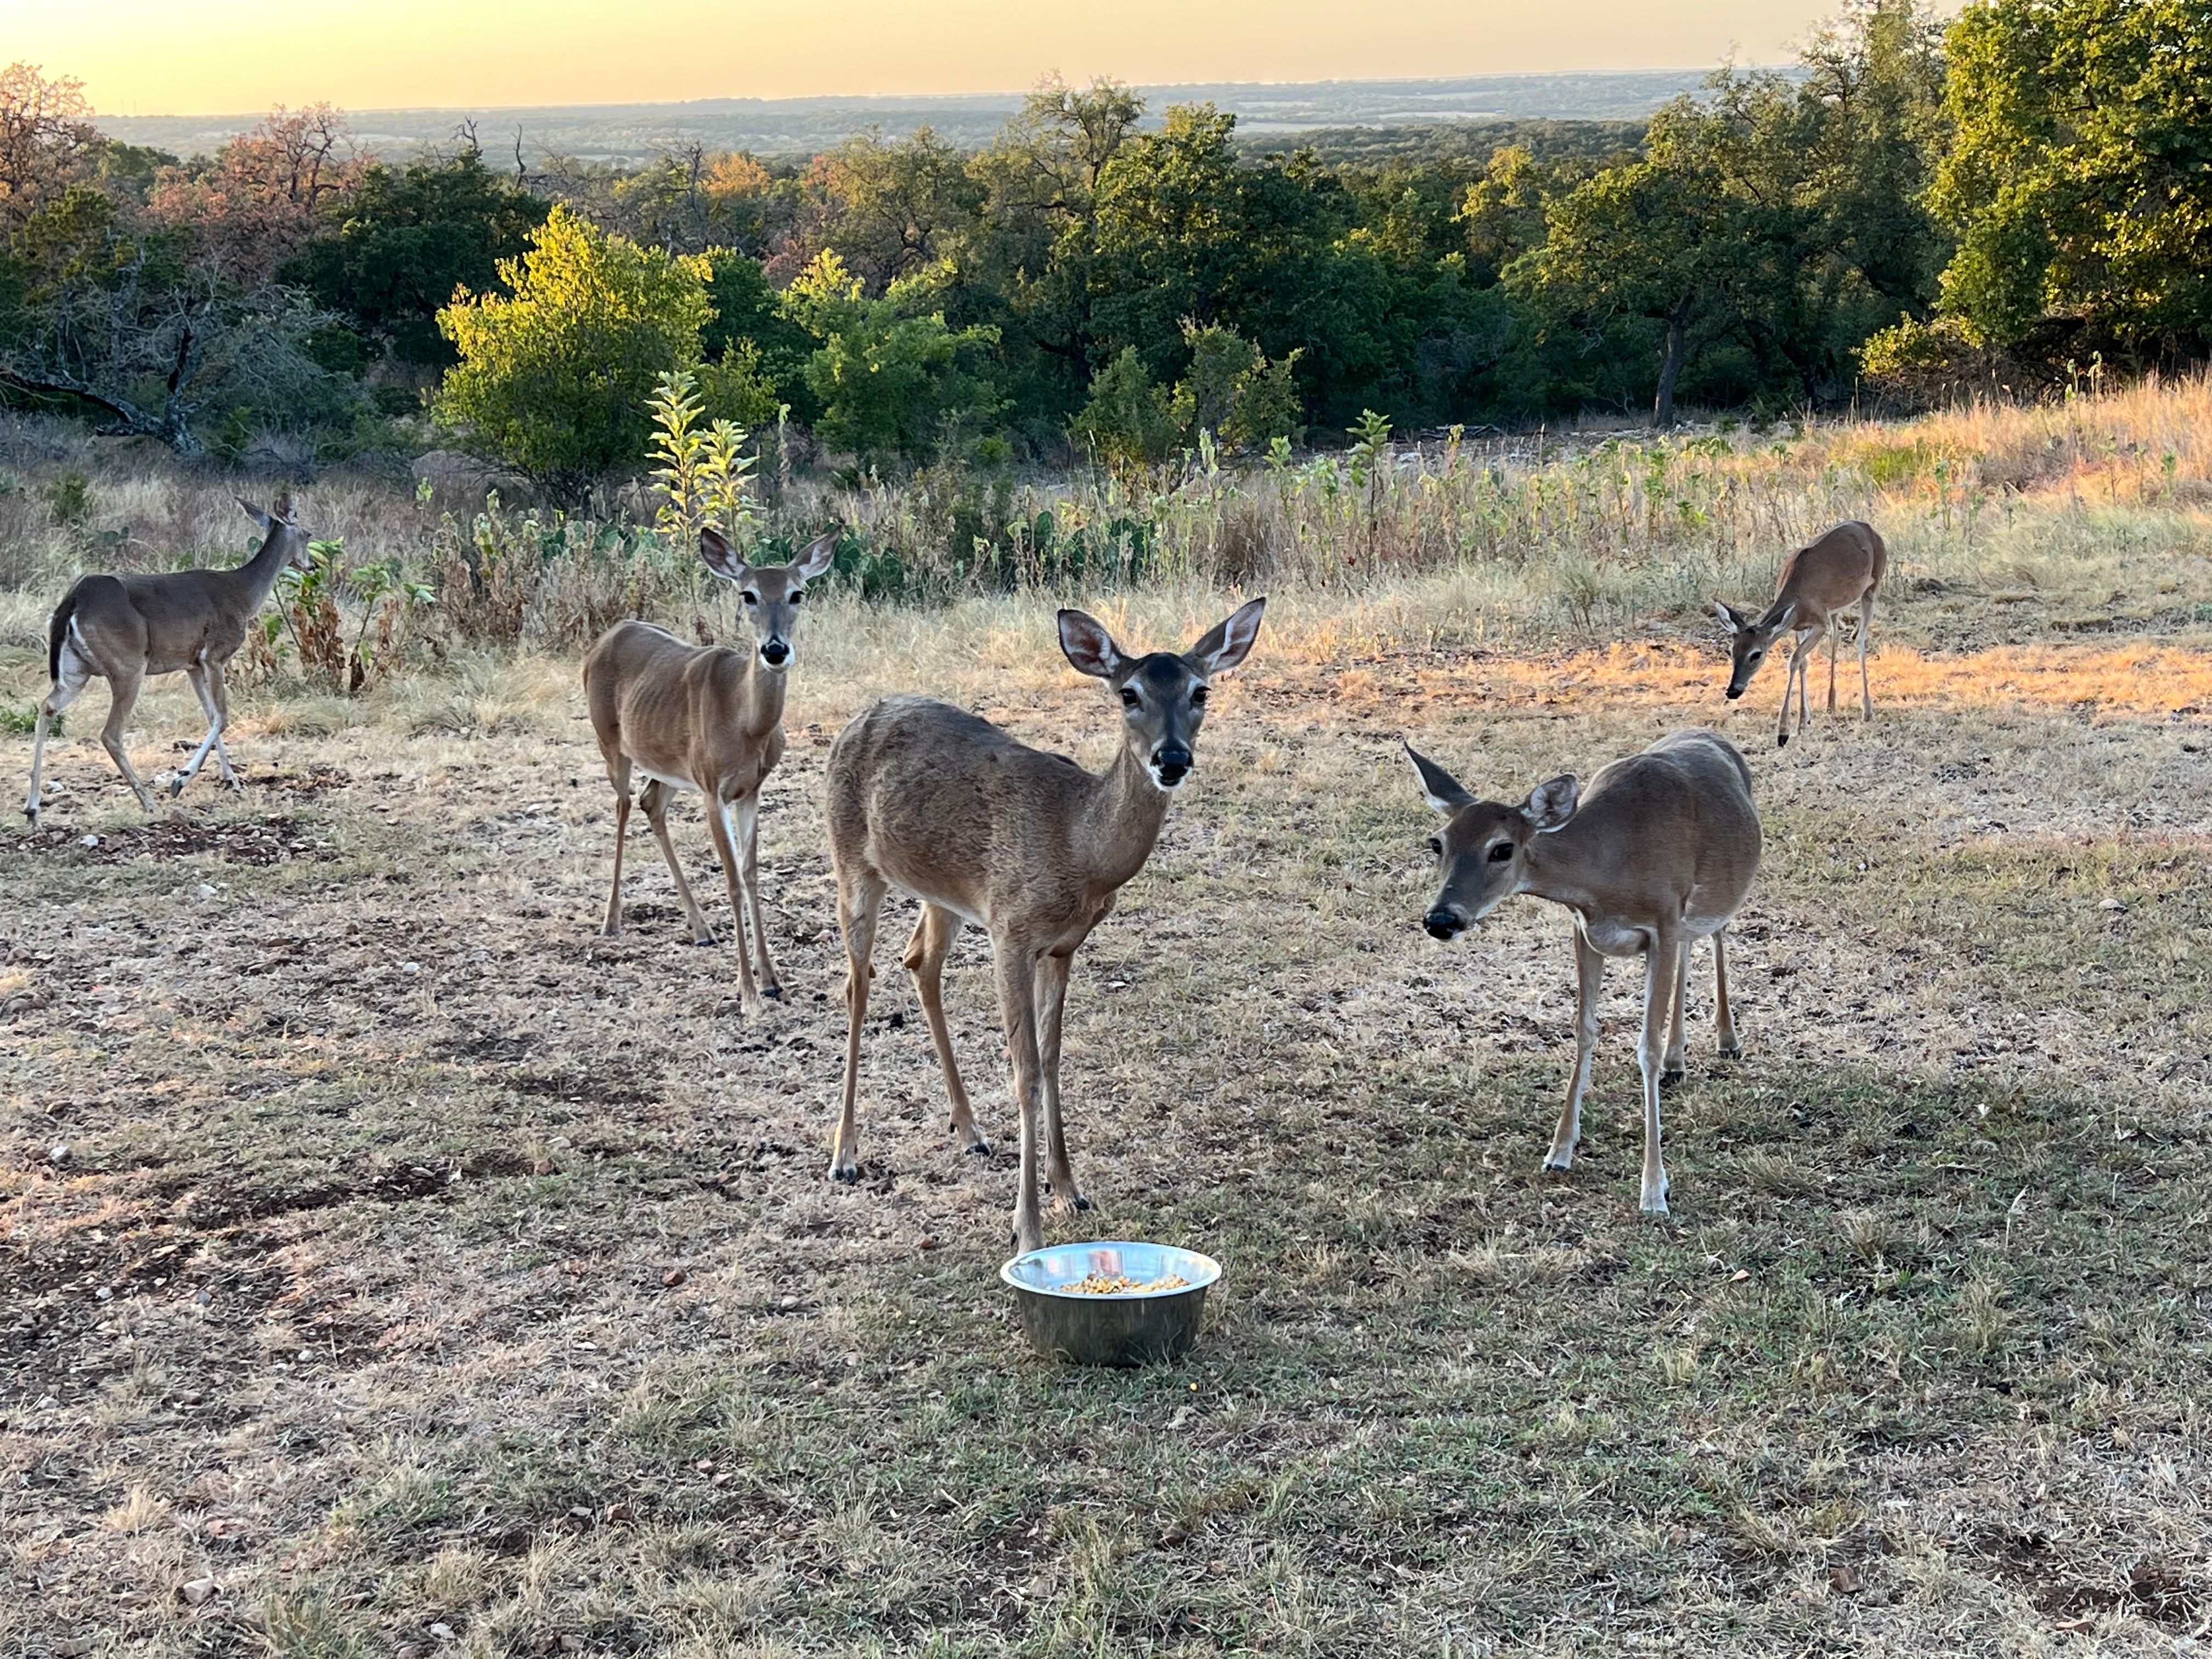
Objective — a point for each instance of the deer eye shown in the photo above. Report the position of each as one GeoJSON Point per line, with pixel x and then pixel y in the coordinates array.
{"type": "Point", "coordinates": [1753, 656]}
{"type": "Point", "coordinates": [1502, 852]}
{"type": "Point", "coordinates": [751, 597]}
{"type": "Point", "coordinates": [1198, 698]}
{"type": "Point", "coordinates": [795, 595]}
{"type": "Point", "coordinates": [1436, 845]}
{"type": "Point", "coordinates": [1128, 698]}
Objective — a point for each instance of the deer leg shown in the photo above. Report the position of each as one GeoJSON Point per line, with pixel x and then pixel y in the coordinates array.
{"type": "Point", "coordinates": [1835, 639]}
{"type": "Point", "coordinates": [617, 775]}
{"type": "Point", "coordinates": [1017, 971]}
{"type": "Point", "coordinates": [74, 677]}
{"type": "Point", "coordinates": [720, 832]}
{"type": "Point", "coordinates": [1677, 1063]}
{"type": "Point", "coordinates": [1866, 626]}
{"type": "Point", "coordinates": [745, 830]}
{"type": "Point", "coordinates": [933, 934]}
{"type": "Point", "coordinates": [221, 692]}
{"type": "Point", "coordinates": [1662, 962]}
{"type": "Point", "coordinates": [1723, 1016]}
{"type": "Point", "coordinates": [1590, 985]}
{"type": "Point", "coordinates": [859, 903]}
{"type": "Point", "coordinates": [198, 674]}
{"type": "Point", "coordinates": [1051, 1003]}
{"type": "Point", "coordinates": [123, 697]}
{"type": "Point", "coordinates": [653, 798]}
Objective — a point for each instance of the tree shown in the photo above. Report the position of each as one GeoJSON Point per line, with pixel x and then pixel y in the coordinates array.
{"type": "Point", "coordinates": [258, 201]}
{"type": "Point", "coordinates": [555, 376]}
{"type": "Point", "coordinates": [892, 207]}
{"type": "Point", "coordinates": [120, 322]}
{"type": "Point", "coordinates": [894, 380]}
{"type": "Point", "coordinates": [47, 141]}
{"type": "Point", "coordinates": [2080, 180]}
{"type": "Point", "coordinates": [391, 255]}
{"type": "Point", "coordinates": [1129, 423]}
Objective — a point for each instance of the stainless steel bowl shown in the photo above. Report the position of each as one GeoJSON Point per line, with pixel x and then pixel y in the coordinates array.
{"type": "Point", "coordinates": [1132, 1329]}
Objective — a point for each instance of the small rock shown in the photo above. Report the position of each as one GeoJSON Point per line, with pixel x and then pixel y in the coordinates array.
{"type": "Point", "coordinates": [2110, 905]}
{"type": "Point", "coordinates": [407, 1650]}
{"type": "Point", "coordinates": [620, 1512]}
{"type": "Point", "coordinates": [572, 1644]}
{"type": "Point", "coordinates": [58, 1153]}
{"type": "Point", "coordinates": [48, 1402]}
{"type": "Point", "coordinates": [89, 840]}
{"type": "Point", "coordinates": [673, 1278]}
{"type": "Point", "coordinates": [930, 1241]}
{"type": "Point", "coordinates": [194, 1591]}
{"type": "Point", "coordinates": [786, 1303]}
{"type": "Point", "coordinates": [205, 890]}
{"type": "Point", "coordinates": [1843, 1580]}
{"type": "Point", "coordinates": [441, 1631]}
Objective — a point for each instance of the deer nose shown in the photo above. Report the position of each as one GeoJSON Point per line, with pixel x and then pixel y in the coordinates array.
{"type": "Point", "coordinates": [1734, 692]}
{"type": "Point", "coordinates": [1441, 924]}
{"type": "Point", "coordinates": [1172, 760]}
{"type": "Point", "coordinates": [774, 653]}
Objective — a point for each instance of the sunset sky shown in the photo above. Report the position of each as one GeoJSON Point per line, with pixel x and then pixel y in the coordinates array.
{"type": "Point", "coordinates": [205, 57]}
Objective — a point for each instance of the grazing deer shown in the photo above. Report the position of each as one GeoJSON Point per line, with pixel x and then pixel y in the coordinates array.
{"type": "Point", "coordinates": [1028, 846]}
{"type": "Point", "coordinates": [1660, 852]}
{"type": "Point", "coordinates": [1844, 568]}
{"type": "Point", "coordinates": [123, 628]}
{"type": "Point", "coordinates": [709, 719]}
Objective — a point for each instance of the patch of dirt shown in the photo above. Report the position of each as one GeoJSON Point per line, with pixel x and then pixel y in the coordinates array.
{"type": "Point", "coordinates": [215, 1204]}
{"type": "Point", "coordinates": [270, 840]}
{"type": "Point", "coordinates": [579, 1086]}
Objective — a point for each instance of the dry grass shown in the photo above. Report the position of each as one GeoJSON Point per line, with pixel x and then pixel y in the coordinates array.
{"type": "Point", "coordinates": [427, 1272]}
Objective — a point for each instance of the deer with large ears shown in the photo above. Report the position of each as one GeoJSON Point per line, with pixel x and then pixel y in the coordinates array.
{"type": "Point", "coordinates": [1844, 568]}
{"type": "Point", "coordinates": [123, 628]}
{"type": "Point", "coordinates": [709, 719]}
{"type": "Point", "coordinates": [1659, 851]}
{"type": "Point", "coordinates": [1028, 846]}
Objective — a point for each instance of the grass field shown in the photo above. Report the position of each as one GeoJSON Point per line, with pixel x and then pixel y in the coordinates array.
{"type": "Point", "coordinates": [427, 1275]}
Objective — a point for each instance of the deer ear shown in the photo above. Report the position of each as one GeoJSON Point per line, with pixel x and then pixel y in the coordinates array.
{"type": "Point", "coordinates": [1787, 617]}
{"type": "Point", "coordinates": [1088, 644]}
{"type": "Point", "coordinates": [1230, 641]}
{"type": "Point", "coordinates": [263, 520]}
{"type": "Point", "coordinates": [720, 556]}
{"type": "Point", "coordinates": [817, 558]}
{"type": "Point", "coordinates": [1443, 793]}
{"type": "Point", "coordinates": [1552, 804]}
{"type": "Point", "coordinates": [1726, 612]}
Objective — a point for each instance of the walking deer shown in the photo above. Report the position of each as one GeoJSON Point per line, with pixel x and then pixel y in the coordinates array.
{"type": "Point", "coordinates": [1845, 568]}
{"type": "Point", "coordinates": [1659, 851]}
{"type": "Point", "coordinates": [709, 719]}
{"type": "Point", "coordinates": [1028, 846]}
{"type": "Point", "coordinates": [123, 628]}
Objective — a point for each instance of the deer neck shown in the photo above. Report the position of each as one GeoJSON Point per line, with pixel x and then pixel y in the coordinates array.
{"type": "Point", "coordinates": [257, 577]}
{"type": "Point", "coordinates": [1119, 821]}
{"type": "Point", "coordinates": [760, 696]}
{"type": "Point", "coordinates": [1551, 869]}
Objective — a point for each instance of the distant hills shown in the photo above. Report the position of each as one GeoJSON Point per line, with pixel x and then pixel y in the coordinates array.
{"type": "Point", "coordinates": [1267, 115]}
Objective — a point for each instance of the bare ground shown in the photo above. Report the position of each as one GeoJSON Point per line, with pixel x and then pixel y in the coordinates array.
{"type": "Point", "coordinates": [425, 1272]}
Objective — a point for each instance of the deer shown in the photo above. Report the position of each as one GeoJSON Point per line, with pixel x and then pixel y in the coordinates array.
{"type": "Point", "coordinates": [124, 629]}
{"type": "Point", "coordinates": [1659, 851]}
{"type": "Point", "coordinates": [709, 719]}
{"type": "Point", "coordinates": [1844, 568]}
{"type": "Point", "coordinates": [1028, 846]}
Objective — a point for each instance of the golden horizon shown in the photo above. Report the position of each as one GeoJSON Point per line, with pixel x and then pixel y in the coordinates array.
{"type": "Point", "coordinates": [153, 57]}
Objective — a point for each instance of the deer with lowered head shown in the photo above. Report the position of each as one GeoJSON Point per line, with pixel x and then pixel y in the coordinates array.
{"type": "Point", "coordinates": [709, 719]}
{"type": "Point", "coordinates": [1659, 851]}
{"type": "Point", "coordinates": [1028, 846]}
{"type": "Point", "coordinates": [1844, 568]}
{"type": "Point", "coordinates": [123, 628]}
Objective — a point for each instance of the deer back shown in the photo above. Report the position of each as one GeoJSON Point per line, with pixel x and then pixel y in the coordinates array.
{"type": "Point", "coordinates": [950, 807]}
{"type": "Point", "coordinates": [1832, 574]}
{"type": "Point", "coordinates": [1668, 833]}
{"type": "Point", "coordinates": [678, 711]}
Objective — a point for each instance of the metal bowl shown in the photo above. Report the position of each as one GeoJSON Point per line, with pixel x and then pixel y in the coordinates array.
{"type": "Point", "coordinates": [1131, 1328]}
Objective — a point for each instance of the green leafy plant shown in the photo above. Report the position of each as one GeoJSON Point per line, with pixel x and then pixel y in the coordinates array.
{"type": "Point", "coordinates": [706, 477]}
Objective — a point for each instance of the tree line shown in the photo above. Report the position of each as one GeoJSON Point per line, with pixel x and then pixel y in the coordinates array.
{"type": "Point", "coordinates": [1914, 206]}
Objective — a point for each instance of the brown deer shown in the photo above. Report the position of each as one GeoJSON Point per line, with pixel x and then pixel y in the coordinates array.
{"type": "Point", "coordinates": [709, 719]}
{"type": "Point", "coordinates": [1660, 852]}
{"type": "Point", "coordinates": [1028, 846]}
{"type": "Point", "coordinates": [123, 628]}
{"type": "Point", "coordinates": [1844, 568]}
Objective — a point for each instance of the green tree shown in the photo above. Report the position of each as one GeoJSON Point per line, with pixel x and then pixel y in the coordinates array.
{"type": "Point", "coordinates": [895, 381]}
{"type": "Point", "coordinates": [555, 376]}
{"type": "Point", "coordinates": [391, 257]}
{"type": "Point", "coordinates": [2079, 180]}
{"type": "Point", "coordinates": [1129, 423]}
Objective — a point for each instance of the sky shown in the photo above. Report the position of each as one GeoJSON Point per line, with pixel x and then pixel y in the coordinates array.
{"type": "Point", "coordinates": [220, 56]}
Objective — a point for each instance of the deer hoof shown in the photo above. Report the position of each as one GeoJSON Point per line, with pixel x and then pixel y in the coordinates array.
{"type": "Point", "coordinates": [1782, 740]}
{"type": "Point", "coordinates": [847, 1173]}
{"type": "Point", "coordinates": [773, 993]}
{"type": "Point", "coordinates": [176, 788]}
{"type": "Point", "coordinates": [978, 1147]}
{"type": "Point", "coordinates": [1732, 1051]}
{"type": "Point", "coordinates": [1559, 1163]}
{"type": "Point", "coordinates": [1672, 1076]}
